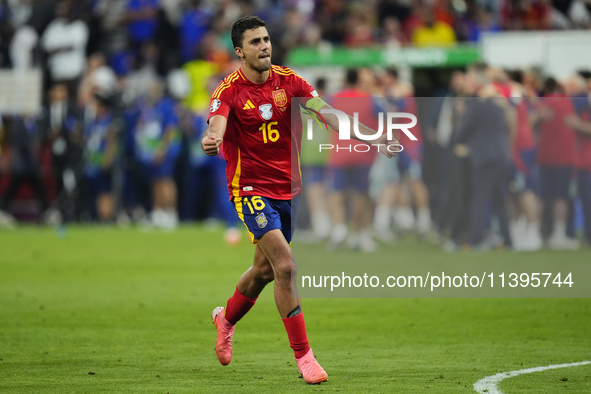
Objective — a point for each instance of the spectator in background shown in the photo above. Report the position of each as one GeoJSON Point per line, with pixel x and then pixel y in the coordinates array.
{"type": "Point", "coordinates": [332, 18]}
{"type": "Point", "coordinates": [483, 136]}
{"type": "Point", "coordinates": [60, 122]}
{"type": "Point", "coordinates": [432, 33]}
{"type": "Point", "coordinates": [145, 73]}
{"type": "Point", "coordinates": [213, 50]}
{"type": "Point", "coordinates": [359, 32]}
{"type": "Point", "coordinates": [482, 21]}
{"type": "Point", "coordinates": [450, 174]}
{"type": "Point", "coordinates": [414, 20]}
{"type": "Point", "coordinates": [6, 32]}
{"type": "Point", "coordinates": [6, 220]}
{"type": "Point", "coordinates": [412, 192]}
{"type": "Point", "coordinates": [557, 155]}
{"type": "Point", "coordinates": [205, 184]}
{"type": "Point", "coordinates": [200, 72]}
{"type": "Point", "coordinates": [193, 27]}
{"type": "Point", "coordinates": [533, 82]}
{"type": "Point", "coordinates": [290, 32]}
{"type": "Point", "coordinates": [158, 146]}
{"type": "Point", "coordinates": [14, 18]}
{"type": "Point", "coordinates": [349, 170]}
{"type": "Point", "coordinates": [219, 27]}
{"type": "Point", "coordinates": [526, 228]}
{"type": "Point", "coordinates": [399, 182]}
{"type": "Point", "coordinates": [97, 78]}
{"type": "Point", "coordinates": [586, 74]}
{"type": "Point", "coordinates": [399, 10]}
{"type": "Point", "coordinates": [527, 15]}
{"type": "Point", "coordinates": [113, 33]}
{"type": "Point", "coordinates": [391, 35]}
{"type": "Point", "coordinates": [141, 19]}
{"type": "Point", "coordinates": [579, 13]}
{"type": "Point", "coordinates": [24, 141]}
{"type": "Point", "coordinates": [313, 165]}
{"type": "Point", "coordinates": [582, 125]}
{"type": "Point", "coordinates": [64, 42]}
{"type": "Point", "coordinates": [445, 12]}
{"type": "Point", "coordinates": [384, 174]}
{"type": "Point", "coordinates": [100, 149]}
{"type": "Point", "coordinates": [22, 48]}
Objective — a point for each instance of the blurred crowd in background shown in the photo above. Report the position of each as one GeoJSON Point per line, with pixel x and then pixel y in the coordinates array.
{"type": "Point", "coordinates": [126, 88]}
{"type": "Point", "coordinates": [180, 31]}
{"type": "Point", "coordinates": [503, 159]}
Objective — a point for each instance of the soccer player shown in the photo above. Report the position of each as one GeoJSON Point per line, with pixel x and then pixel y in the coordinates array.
{"type": "Point", "coordinates": [557, 158]}
{"type": "Point", "coordinates": [250, 113]}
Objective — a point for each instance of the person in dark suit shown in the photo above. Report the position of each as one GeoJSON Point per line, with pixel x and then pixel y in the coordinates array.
{"type": "Point", "coordinates": [24, 142]}
{"type": "Point", "coordinates": [60, 122]}
{"type": "Point", "coordinates": [484, 137]}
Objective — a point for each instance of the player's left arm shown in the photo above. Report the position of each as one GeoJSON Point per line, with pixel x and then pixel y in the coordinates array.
{"type": "Point", "coordinates": [318, 105]}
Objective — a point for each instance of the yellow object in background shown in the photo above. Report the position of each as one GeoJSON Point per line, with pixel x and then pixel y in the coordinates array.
{"type": "Point", "coordinates": [199, 72]}
{"type": "Point", "coordinates": [439, 34]}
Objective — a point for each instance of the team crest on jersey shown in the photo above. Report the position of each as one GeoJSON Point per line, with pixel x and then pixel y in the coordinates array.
{"type": "Point", "coordinates": [266, 111]}
{"type": "Point", "coordinates": [279, 97]}
{"type": "Point", "coordinates": [261, 220]}
{"type": "Point", "coordinates": [215, 104]}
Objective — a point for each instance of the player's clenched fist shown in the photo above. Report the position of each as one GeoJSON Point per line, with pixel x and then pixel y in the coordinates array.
{"type": "Point", "coordinates": [211, 144]}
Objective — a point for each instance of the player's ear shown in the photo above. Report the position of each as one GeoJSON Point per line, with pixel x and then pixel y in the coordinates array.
{"type": "Point", "coordinates": [239, 52]}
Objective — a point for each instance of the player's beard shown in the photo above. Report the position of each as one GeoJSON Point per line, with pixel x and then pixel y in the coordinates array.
{"type": "Point", "coordinates": [260, 64]}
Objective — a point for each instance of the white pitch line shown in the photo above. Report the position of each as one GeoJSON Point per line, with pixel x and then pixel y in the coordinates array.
{"type": "Point", "coordinates": [488, 385]}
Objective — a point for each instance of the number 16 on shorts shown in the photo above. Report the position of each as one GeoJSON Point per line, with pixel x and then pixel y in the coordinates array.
{"type": "Point", "coordinates": [255, 202]}
{"type": "Point", "coordinates": [263, 214]}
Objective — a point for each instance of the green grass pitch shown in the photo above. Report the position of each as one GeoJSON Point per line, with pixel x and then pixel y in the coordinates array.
{"type": "Point", "coordinates": [105, 310]}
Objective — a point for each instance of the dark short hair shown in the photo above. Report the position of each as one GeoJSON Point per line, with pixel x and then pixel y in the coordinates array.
{"type": "Point", "coordinates": [352, 76]}
{"type": "Point", "coordinates": [321, 83]}
{"type": "Point", "coordinates": [392, 71]}
{"type": "Point", "coordinates": [516, 75]}
{"type": "Point", "coordinates": [550, 85]}
{"type": "Point", "coordinates": [243, 24]}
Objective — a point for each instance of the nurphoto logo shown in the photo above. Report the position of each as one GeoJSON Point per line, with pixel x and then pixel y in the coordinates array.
{"type": "Point", "coordinates": [345, 129]}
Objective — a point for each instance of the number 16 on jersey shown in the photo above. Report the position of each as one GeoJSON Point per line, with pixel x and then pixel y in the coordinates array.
{"type": "Point", "coordinates": [269, 133]}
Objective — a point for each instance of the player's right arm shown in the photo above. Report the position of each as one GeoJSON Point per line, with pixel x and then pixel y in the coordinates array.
{"type": "Point", "coordinates": [219, 110]}
{"type": "Point", "coordinates": [214, 135]}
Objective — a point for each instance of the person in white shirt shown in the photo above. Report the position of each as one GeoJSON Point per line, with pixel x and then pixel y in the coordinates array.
{"type": "Point", "coordinates": [65, 41]}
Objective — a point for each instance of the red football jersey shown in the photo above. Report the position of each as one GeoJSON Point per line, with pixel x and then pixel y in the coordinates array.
{"type": "Point", "coordinates": [258, 144]}
{"type": "Point", "coordinates": [351, 100]}
{"type": "Point", "coordinates": [585, 145]}
{"type": "Point", "coordinates": [558, 142]}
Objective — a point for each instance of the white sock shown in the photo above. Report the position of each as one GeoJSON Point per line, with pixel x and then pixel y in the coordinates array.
{"type": "Point", "coordinates": [404, 218]}
{"type": "Point", "coordinates": [321, 224]}
{"type": "Point", "coordinates": [559, 229]}
{"type": "Point", "coordinates": [423, 220]}
{"type": "Point", "coordinates": [172, 218]}
{"type": "Point", "coordinates": [382, 218]}
{"type": "Point", "coordinates": [532, 230]}
{"type": "Point", "coordinates": [339, 233]}
{"type": "Point", "coordinates": [353, 239]}
{"type": "Point", "coordinates": [158, 217]}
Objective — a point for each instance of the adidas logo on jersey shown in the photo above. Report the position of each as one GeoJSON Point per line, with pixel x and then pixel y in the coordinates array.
{"type": "Point", "coordinates": [248, 105]}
